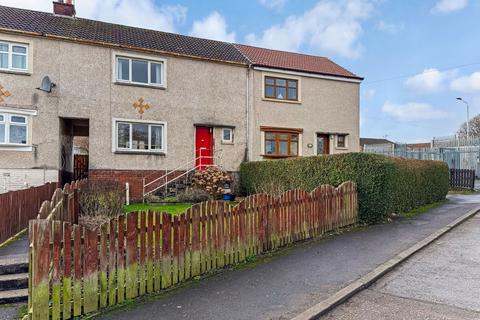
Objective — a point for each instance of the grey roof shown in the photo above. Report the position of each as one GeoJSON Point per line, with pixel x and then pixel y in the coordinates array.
{"type": "Point", "coordinates": [364, 141]}
{"type": "Point", "coordinates": [48, 24]}
{"type": "Point", "coordinates": [103, 33]}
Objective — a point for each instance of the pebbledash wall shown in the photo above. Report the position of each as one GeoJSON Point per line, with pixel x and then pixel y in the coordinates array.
{"type": "Point", "coordinates": [325, 106]}
{"type": "Point", "coordinates": [197, 92]}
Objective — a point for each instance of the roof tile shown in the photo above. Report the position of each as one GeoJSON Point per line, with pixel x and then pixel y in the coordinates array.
{"type": "Point", "coordinates": [114, 34]}
{"type": "Point", "coordinates": [118, 35]}
{"type": "Point", "coordinates": [294, 61]}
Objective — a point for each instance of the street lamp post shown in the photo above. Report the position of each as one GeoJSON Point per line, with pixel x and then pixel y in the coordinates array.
{"type": "Point", "coordinates": [468, 116]}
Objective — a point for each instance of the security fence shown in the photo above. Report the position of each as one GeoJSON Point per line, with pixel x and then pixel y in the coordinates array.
{"type": "Point", "coordinates": [461, 157]}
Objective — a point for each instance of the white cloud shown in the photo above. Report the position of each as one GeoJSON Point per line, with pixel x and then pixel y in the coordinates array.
{"type": "Point", "coordinates": [330, 26]}
{"type": "Point", "coordinates": [412, 111]}
{"type": "Point", "coordinates": [273, 4]}
{"type": "Point", "coordinates": [213, 27]}
{"type": "Point", "coordinates": [138, 13]}
{"type": "Point", "coordinates": [446, 6]}
{"type": "Point", "coordinates": [430, 80]}
{"type": "Point", "coordinates": [368, 94]}
{"type": "Point", "coordinates": [389, 27]}
{"type": "Point", "coordinates": [467, 84]}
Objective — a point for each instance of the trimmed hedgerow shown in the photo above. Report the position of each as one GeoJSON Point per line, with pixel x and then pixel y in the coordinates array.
{"type": "Point", "coordinates": [385, 185]}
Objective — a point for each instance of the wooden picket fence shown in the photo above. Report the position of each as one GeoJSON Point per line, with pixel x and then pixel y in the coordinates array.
{"type": "Point", "coordinates": [76, 271]}
{"type": "Point", "coordinates": [18, 207]}
{"type": "Point", "coordinates": [462, 179]}
{"type": "Point", "coordinates": [64, 204]}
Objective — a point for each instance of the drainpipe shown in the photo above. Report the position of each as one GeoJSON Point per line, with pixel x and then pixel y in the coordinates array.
{"type": "Point", "coordinates": [247, 114]}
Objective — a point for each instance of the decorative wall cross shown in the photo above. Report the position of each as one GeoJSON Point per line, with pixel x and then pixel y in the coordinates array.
{"type": "Point", "coordinates": [4, 93]}
{"type": "Point", "coordinates": [141, 105]}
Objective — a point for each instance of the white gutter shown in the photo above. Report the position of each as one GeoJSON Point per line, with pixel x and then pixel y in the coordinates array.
{"type": "Point", "coordinates": [306, 74]}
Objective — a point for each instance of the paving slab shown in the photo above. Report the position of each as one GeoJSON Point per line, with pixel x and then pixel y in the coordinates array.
{"type": "Point", "coordinates": [298, 278]}
{"type": "Point", "coordinates": [440, 282]}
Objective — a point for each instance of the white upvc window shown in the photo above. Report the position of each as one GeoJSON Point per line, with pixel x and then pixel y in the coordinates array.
{"type": "Point", "coordinates": [140, 71]}
{"type": "Point", "coordinates": [13, 56]}
{"type": "Point", "coordinates": [13, 130]}
{"type": "Point", "coordinates": [227, 135]}
{"type": "Point", "coordinates": [139, 136]}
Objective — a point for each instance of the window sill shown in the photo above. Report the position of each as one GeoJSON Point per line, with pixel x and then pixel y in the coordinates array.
{"type": "Point", "coordinates": [17, 72]}
{"type": "Point", "coordinates": [282, 101]}
{"type": "Point", "coordinates": [151, 86]}
{"type": "Point", "coordinates": [227, 142]}
{"type": "Point", "coordinates": [21, 148]}
{"type": "Point", "coordinates": [146, 153]}
{"type": "Point", "coordinates": [341, 148]}
{"type": "Point", "coordinates": [271, 156]}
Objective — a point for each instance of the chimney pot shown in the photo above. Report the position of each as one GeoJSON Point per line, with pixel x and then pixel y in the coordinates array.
{"type": "Point", "coordinates": [64, 8]}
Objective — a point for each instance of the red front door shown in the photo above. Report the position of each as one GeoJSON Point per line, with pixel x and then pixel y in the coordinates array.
{"type": "Point", "coordinates": [203, 147]}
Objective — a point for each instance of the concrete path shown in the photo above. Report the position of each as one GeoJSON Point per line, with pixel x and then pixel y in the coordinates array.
{"type": "Point", "coordinates": [294, 280]}
{"type": "Point", "coordinates": [440, 282]}
{"type": "Point", "coordinates": [17, 247]}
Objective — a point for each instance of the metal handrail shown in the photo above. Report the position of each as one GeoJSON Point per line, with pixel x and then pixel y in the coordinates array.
{"type": "Point", "coordinates": [176, 178]}
{"type": "Point", "coordinates": [151, 174]}
{"type": "Point", "coordinates": [183, 165]}
{"type": "Point", "coordinates": [169, 172]}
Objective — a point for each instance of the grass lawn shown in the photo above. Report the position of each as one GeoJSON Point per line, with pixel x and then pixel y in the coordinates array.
{"type": "Point", "coordinates": [172, 208]}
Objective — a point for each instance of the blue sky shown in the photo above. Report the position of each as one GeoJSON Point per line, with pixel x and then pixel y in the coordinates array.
{"type": "Point", "coordinates": [416, 56]}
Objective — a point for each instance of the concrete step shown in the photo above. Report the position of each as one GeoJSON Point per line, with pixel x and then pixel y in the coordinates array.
{"type": "Point", "coordinates": [13, 281]}
{"type": "Point", "coordinates": [13, 264]}
{"type": "Point", "coordinates": [12, 296]}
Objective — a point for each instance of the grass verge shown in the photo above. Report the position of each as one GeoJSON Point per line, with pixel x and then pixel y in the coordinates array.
{"type": "Point", "coordinates": [465, 192]}
{"type": "Point", "coordinates": [421, 210]}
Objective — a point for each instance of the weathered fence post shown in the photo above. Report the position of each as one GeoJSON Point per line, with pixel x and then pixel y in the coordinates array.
{"type": "Point", "coordinates": [74, 271]}
{"type": "Point", "coordinates": [40, 261]}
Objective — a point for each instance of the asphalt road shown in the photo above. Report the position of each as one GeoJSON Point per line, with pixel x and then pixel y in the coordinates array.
{"type": "Point", "coordinates": [440, 282]}
{"type": "Point", "coordinates": [295, 280]}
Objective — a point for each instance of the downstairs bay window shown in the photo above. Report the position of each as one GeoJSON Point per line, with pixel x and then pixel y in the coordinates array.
{"type": "Point", "coordinates": [139, 136]}
{"type": "Point", "coordinates": [281, 142]}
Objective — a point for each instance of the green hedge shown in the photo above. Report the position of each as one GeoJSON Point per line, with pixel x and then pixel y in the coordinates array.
{"type": "Point", "coordinates": [385, 184]}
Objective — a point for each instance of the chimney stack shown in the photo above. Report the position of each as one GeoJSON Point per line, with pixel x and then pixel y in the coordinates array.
{"type": "Point", "coordinates": [64, 8]}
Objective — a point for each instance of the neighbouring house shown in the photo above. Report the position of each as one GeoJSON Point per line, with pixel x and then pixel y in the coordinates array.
{"type": "Point", "coordinates": [418, 146]}
{"type": "Point", "coordinates": [146, 107]}
{"type": "Point", "coordinates": [376, 145]}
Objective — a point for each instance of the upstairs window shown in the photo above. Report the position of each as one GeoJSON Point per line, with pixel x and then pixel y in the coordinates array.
{"type": "Point", "coordinates": [281, 89]}
{"type": "Point", "coordinates": [13, 56]}
{"type": "Point", "coordinates": [13, 129]}
{"type": "Point", "coordinates": [138, 71]}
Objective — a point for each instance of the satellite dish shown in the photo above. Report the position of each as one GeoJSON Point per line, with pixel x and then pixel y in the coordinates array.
{"type": "Point", "coordinates": [46, 85]}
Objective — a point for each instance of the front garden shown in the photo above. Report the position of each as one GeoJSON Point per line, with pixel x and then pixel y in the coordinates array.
{"type": "Point", "coordinates": [100, 201]}
{"type": "Point", "coordinates": [386, 185]}
{"type": "Point", "coordinates": [156, 246]}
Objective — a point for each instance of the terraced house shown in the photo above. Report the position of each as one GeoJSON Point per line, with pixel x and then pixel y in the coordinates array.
{"type": "Point", "coordinates": [145, 106]}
